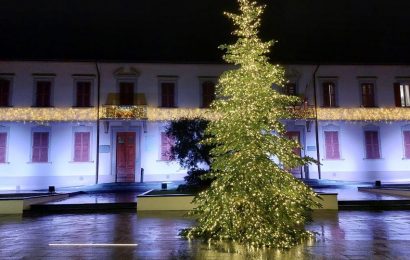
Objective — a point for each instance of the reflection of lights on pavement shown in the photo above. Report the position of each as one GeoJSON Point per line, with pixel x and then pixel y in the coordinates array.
{"type": "Point", "coordinates": [96, 245]}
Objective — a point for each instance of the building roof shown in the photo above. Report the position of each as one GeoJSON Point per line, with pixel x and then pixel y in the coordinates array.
{"type": "Point", "coordinates": [188, 31]}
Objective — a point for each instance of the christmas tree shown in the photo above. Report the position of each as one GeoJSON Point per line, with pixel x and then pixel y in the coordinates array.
{"type": "Point", "coordinates": [254, 199]}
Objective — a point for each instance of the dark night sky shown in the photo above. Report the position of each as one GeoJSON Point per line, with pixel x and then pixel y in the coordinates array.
{"type": "Point", "coordinates": [308, 31]}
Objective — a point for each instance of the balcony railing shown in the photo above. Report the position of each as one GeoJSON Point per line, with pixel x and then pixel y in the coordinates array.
{"type": "Point", "coordinates": [302, 111]}
{"type": "Point", "coordinates": [123, 112]}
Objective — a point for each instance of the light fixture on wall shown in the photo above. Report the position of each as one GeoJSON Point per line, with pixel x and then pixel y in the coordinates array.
{"type": "Point", "coordinates": [308, 125]}
{"type": "Point", "coordinates": [106, 126]}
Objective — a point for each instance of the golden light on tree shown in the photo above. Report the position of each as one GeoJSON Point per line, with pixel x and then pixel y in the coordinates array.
{"type": "Point", "coordinates": [253, 199]}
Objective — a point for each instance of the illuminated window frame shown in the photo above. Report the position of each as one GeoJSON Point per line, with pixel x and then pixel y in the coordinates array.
{"type": "Point", "coordinates": [83, 78]}
{"type": "Point", "coordinates": [368, 80]}
{"type": "Point", "coordinates": [9, 77]}
{"type": "Point", "coordinates": [77, 129]}
{"type": "Point", "coordinates": [6, 130]}
{"type": "Point", "coordinates": [332, 128]}
{"type": "Point", "coordinates": [322, 81]}
{"type": "Point", "coordinates": [122, 76]}
{"type": "Point", "coordinates": [402, 83]}
{"type": "Point", "coordinates": [40, 129]}
{"type": "Point", "coordinates": [43, 77]}
{"type": "Point", "coordinates": [372, 128]}
{"type": "Point", "coordinates": [167, 79]}
{"type": "Point", "coordinates": [404, 129]}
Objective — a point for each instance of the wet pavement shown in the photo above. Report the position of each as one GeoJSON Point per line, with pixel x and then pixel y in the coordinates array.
{"type": "Point", "coordinates": [110, 192]}
{"type": "Point", "coordinates": [340, 235]}
{"type": "Point", "coordinates": [128, 192]}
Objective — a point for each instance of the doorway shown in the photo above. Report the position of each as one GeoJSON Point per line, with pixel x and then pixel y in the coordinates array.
{"type": "Point", "coordinates": [125, 156]}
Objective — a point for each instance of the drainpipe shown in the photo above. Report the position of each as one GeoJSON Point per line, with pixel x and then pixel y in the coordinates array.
{"type": "Point", "coordinates": [316, 122]}
{"type": "Point", "coordinates": [97, 159]}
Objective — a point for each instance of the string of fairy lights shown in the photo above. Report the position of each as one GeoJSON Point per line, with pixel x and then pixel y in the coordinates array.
{"type": "Point", "coordinates": [32, 114]}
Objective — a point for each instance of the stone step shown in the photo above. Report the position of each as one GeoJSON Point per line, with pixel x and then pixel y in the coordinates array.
{"type": "Point", "coordinates": [83, 208]}
{"type": "Point", "coordinates": [374, 205]}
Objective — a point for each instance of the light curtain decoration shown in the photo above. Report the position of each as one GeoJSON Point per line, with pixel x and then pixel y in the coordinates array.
{"type": "Point", "coordinates": [33, 114]}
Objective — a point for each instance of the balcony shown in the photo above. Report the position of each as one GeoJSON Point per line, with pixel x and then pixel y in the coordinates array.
{"type": "Point", "coordinates": [302, 111]}
{"type": "Point", "coordinates": [123, 112]}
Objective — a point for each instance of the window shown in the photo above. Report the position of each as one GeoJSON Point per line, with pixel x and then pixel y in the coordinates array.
{"type": "Point", "coordinates": [208, 93]}
{"type": "Point", "coordinates": [43, 92]}
{"type": "Point", "coordinates": [372, 144]}
{"type": "Point", "coordinates": [4, 92]}
{"type": "Point", "coordinates": [290, 89]}
{"type": "Point", "coordinates": [367, 94]}
{"type": "Point", "coordinates": [402, 94]}
{"type": "Point", "coordinates": [126, 93]}
{"type": "Point", "coordinates": [81, 146]}
{"type": "Point", "coordinates": [166, 144]}
{"type": "Point", "coordinates": [332, 145]}
{"type": "Point", "coordinates": [3, 146]}
{"type": "Point", "coordinates": [83, 93]}
{"type": "Point", "coordinates": [406, 141]}
{"type": "Point", "coordinates": [167, 94]}
{"type": "Point", "coordinates": [40, 147]}
{"type": "Point", "coordinates": [329, 94]}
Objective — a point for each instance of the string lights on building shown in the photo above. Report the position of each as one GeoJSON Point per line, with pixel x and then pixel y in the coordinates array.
{"type": "Point", "coordinates": [364, 114]}
{"type": "Point", "coordinates": [32, 114]}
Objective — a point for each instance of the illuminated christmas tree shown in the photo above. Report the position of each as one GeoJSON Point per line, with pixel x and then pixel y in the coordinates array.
{"type": "Point", "coordinates": [254, 199]}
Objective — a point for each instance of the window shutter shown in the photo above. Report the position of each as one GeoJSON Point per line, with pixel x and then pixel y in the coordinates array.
{"type": "Point", "coordinates": [368, 95]}
{"type": "Point", "coordinates": [3, 142]}
{"type": "Point", "coordinates": [164, 147]}
{"type": "Point", "coordinates": [79, 94]}
{"type": "Point", "coordinates": [326, 95]}
{"type": "Point", "coordinates": [164, 95]}
{"type": "Point", "coordinates": [372, 145]}
{"type": "Point", "coordinates": [83, 94]}
{"type": "Point", "coordinates": [82, 147]}
{"type": "Point", "coordinates": [171, 89]}
{"type": "Point", "coordinates": [77, 147]}
{"type": "Point", "coordinates": [44, 147]}
{"type": "Point", "coordinates": [397, 96]}
{"type": "Point", "coordinates": [376, 151]}
{"type": "Point", "coordinates": [335, 145]}
{"type": "Point", "coordinates": [332, 145]}
{"type": "Point", "coordinates": [406, 136]}
{"type": "Point", "coordinates": [4, 92]}
{"type": "Point", "coordinates": [328, 145]}
{"type": "Point", "coordinates": [167, 94]}
{"type": "Point", "coordinates": [40, 147]}
{"type": "Point", "coordinates": [43, 93]}
{"type": "Point", "coordinates": [86, 147]}
{"type": "Point", "coordinates": [36, 148]}
{"type": "Point", "coordinates": [368, 143]}
{"type": "Point", "coordinates": [332, 93]}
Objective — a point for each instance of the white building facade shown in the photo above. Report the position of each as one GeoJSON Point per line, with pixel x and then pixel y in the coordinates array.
{"type": "Point", "coordinates": [50, 135]}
